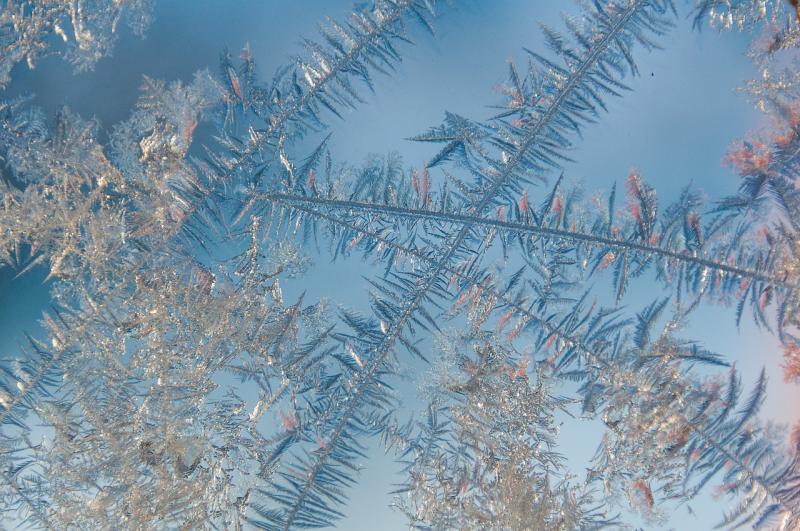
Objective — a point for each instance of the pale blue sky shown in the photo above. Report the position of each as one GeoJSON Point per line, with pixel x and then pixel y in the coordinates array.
{"type": "Point", "coordinates": [675, 127]}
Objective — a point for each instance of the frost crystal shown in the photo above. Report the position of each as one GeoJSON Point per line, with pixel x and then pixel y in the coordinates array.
{"type": "Point", "coordinates": [179, 384]}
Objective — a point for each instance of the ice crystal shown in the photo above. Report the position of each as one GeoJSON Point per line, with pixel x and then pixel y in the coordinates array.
{"type": "Point", "coordinates": [176, 385]}
{"type": "Point", "coordinates": [88, 29]}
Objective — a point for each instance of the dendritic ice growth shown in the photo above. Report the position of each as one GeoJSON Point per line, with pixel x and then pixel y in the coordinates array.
{"type": "Point", "coordinates": [175, 384]}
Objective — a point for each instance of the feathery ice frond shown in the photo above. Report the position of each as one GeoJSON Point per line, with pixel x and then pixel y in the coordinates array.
{"type": "Point", "coordinates": [719, 258]}
{"type": "Point", "coordinates": [549, 105]}
{"type": "Point", "coordinates": [753, 464]}
{"type": "Point", "coordinates": [778, 83]}
{"type": "Point", "coordinates": [88, 29]}
{"type": "Point", "coordinates": [77, 206]}
{"type": "Point", "coordinates": [141, 432]}
{"type": "Point", "coordinates": [768, 167]}
{"type": "Point", "coordinates": [484, 456]}
{"type": "Point", "coordinates": [659, 412]}
{"type": "Point", "coordinates": [175, 386]}
{"type": "Point", "coordinates": [742, 14]}
{"type": "Point", "coordinates": [148, 151]}
{"type": "Point", "coordinates": [155, 416]}
{"type": "Point", "coordinates": [324, 80]}
{"type": "Point", "coordinates": [609, 43]}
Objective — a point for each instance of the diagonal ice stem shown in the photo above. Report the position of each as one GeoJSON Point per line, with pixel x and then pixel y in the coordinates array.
{"type": "Point", "coordinates": [523, 228]}
{"type": "Point", "coordinates": [413, 300]}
